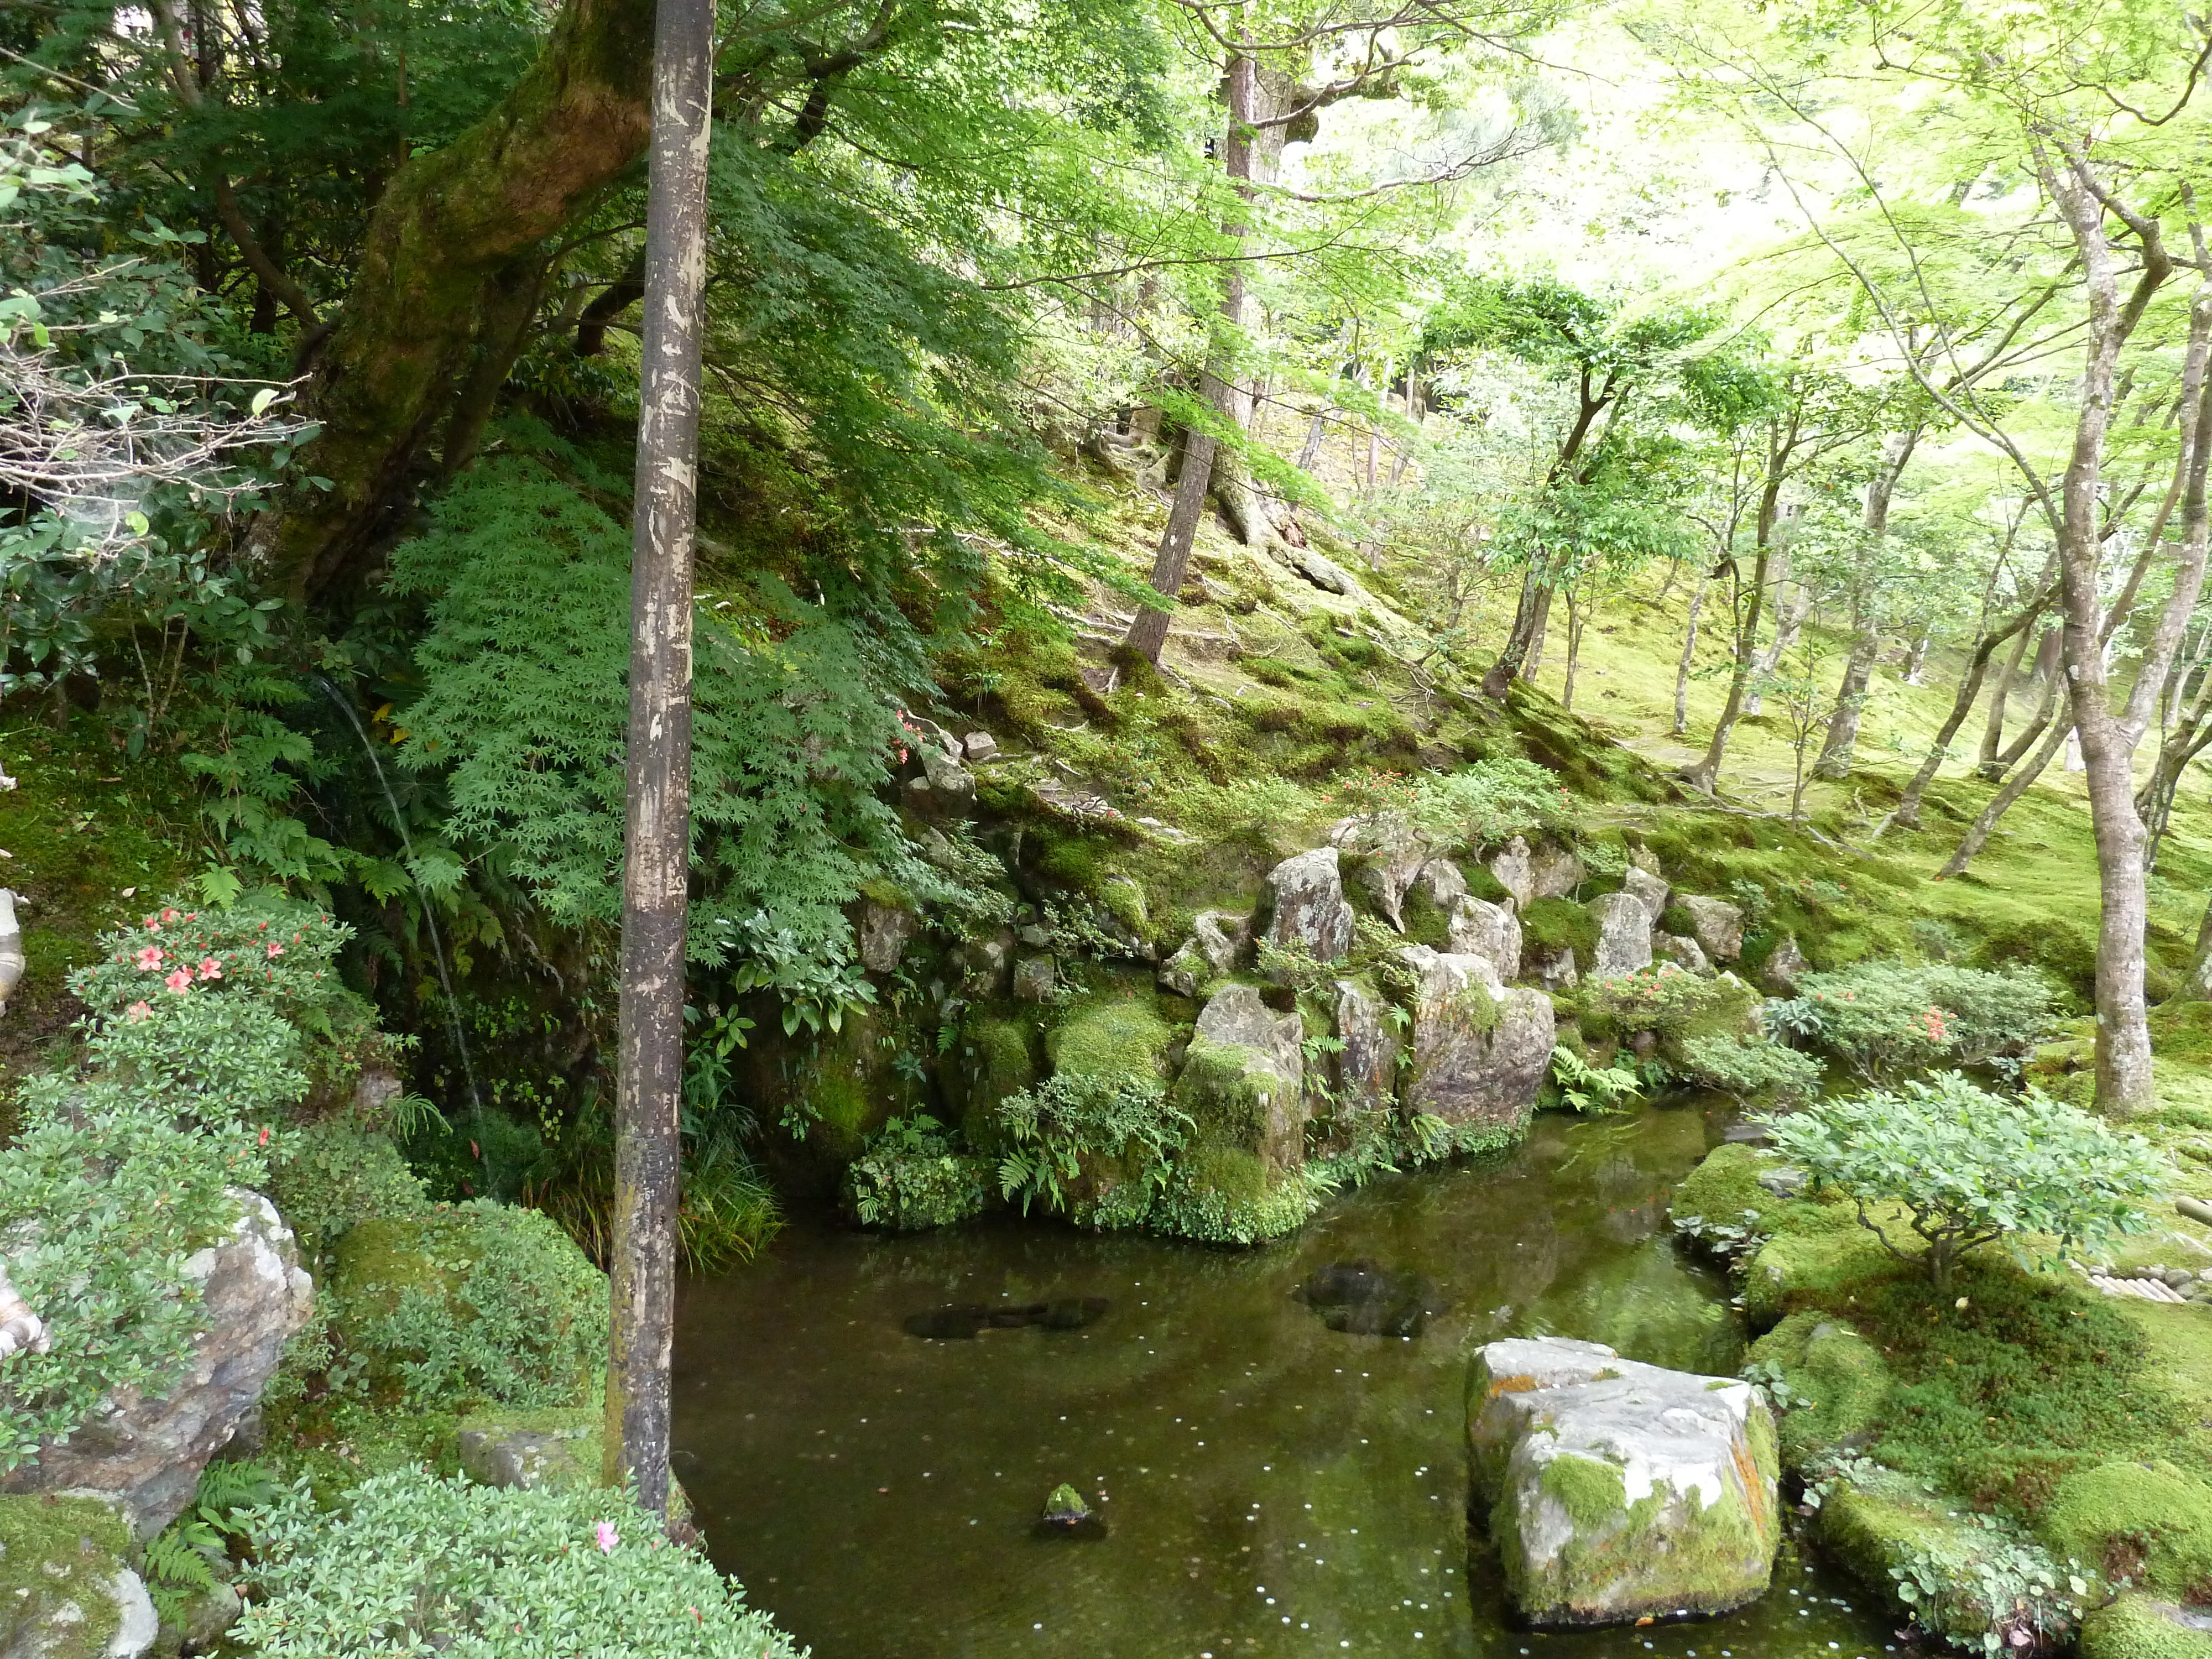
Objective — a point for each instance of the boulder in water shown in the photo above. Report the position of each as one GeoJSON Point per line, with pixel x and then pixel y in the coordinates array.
{"type": "Point", "coordinates": [1480, 1052]}
{"type": "Point", "coordinates": [1618, 1492]}
{"type": "Point", "coordinates": [963, 1322]}
{"type": "Point", "coordinates": [1067, 1515]}
{"type": "Point", "coordinates": [1362, 1299]}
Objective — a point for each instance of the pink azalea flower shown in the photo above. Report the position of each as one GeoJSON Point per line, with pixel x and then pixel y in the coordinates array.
{"type": "Point", "coordinates": [275, 949]}
{"type": "Point", "coordinates": [168, 915]}
{"type": "Point", "coordinates": [211, 968]}
{"type": "Point", "coordinates": [608, 1537]}
{"type": "Point", "coordinates": [137, 1011]}
{"type": "Point", "coordinates": [179, 981]}
{"type": "Point", "coordinates": [150, 959]}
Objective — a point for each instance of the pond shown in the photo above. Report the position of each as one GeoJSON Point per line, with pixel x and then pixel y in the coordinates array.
{"type": "Point", "coordinates": [1271, 1486]}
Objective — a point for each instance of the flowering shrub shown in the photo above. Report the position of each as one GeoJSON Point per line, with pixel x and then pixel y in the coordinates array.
{"type": "Point", "coordinates": [1886, 1018]}
{"type": "Point", "coordinates": [1971, 1168]}
{"type": "Point", "coordinates": [275, 947]}
{"type": "Point", "coordinates": [414, 1563]}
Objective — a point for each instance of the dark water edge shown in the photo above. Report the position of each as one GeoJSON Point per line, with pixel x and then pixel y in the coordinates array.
{"type": "Point", "coordinates": [1271, 1486]}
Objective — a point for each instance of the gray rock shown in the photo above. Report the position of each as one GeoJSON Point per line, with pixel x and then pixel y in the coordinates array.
{"type": "Point", "coordinates": [1324, 573]}
{"type": "Point", "coordinates": [980, 746]}
{"type": "Point", "coordinates": [945, 788]}
{"type": "Point", "coordinates": [208, 1616]}
{"type": "Point", "coordinates": [1647, 889]}
{"type": "Point", "coordinates": [989, 964]}
{"type": "Point", "coordinates": [1784, 1181]}
{"type": "Point", "coordinates": [145, 1456]}
{"type": "Point", "coordinates": [1682, 950]}
{"type": "Point", "coordinates": [1367, 1064]}
{"type": "Point", "coordinates": [1034, 979]}
{"type": "Point", "coordinates": [1718, 925]}
{"type": "Point", "coordinates": [1616, 1491]}
{"type": "Point", "coordinates": [1245, 1072]}
{"type": "Point", "coordinates": [1516, 871]}
{"type": "Point", "coordinates": [1185, 970]}
{"type": "Point", "coordinates": [1442, 883]}
{"type": "Point", "coordinates": [1479, 928]}
{"type": "Point", "coordinates": [1624, 940]}
{"type": "Point", "coordinates": [1480, 1051]}
{"type": "Point", "coordinates": [1778, 976]}
{"type": "Point", "coordinates": [1554, 970]}
{"type": "Point", "coordinates": [1221, 937]}
{"type": "Point", "coordinates": [1306, 905]}
{"type": "Point", "coordinates": [12, 959]}
{"type": "Point", "coordinates": [886, 930]}
{"type": "Point", "coordinates": [1555, 872]}
{"type": "Point", "coordinates": [1393, 855]}
{"type": "Point", "coordinates": [499, 1454]}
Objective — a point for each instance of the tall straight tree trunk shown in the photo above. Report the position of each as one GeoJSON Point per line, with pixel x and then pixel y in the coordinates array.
{"type": "Point", "coordinates": [1704, 774]}
{"type": "Point", "coordinates": [1835, 761]}
{"type": "Point", "coordinates": [656, 840]}
{"type": "Point", "coordinates": [2000, 695]}
{"type": "Point", "coordinates": [1148, 632]}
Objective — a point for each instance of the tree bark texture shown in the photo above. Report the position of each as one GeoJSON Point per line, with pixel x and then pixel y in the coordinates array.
{"type": "Point", "coordinates": [1148, 632]}
{"type": "Point", "coordinates": [456, 227]}
{"type": "Point", "coordinates": [1867, 607]}
{"type": "Point", "coordinates": [1704, 774]}
{"type": "Point", "coordinates": [657, 841]}
{"type": "Point", "coordinates": [1689, 651]}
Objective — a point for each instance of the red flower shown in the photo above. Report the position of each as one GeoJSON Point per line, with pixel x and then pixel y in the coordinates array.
{"type": "Point", "coordinates": [179, 981]}
{"type": "Point", "coordinates": [149, 959]}
{"type": "Point", "coordinates": [211, 968]}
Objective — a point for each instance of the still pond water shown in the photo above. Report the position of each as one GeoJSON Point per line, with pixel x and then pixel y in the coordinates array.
{"type": "Point", "coordinates": [1272, 1487]}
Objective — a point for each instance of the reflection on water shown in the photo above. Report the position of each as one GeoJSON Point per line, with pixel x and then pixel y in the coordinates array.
{"type": "Point", "coordinates": [1271, 1486]}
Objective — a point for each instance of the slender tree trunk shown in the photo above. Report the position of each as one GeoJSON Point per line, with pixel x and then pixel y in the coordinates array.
{"type": "Point", "coordinates": [2022, 624]}
{"type": "Point", "coordinates": [1993, 728]}
{"type": "Point", "coordinates": [657, 841]}
{"type": "Point", "coordinates": [1977, 833]}
{"type": "Point", "coordinates": [2196, 983]}
{"type": "Point", "coordinates": [1148, 632]}
{"type": "Point", "coordinates": [1867, 607]}
{"type": "Point", "coordinates": [1916, 660]}
{"type": "Point", "coordinates": [1575, 621]}
{"type": "Point", "coordinates": [2047, 709]}
{"type": "Point", "coordinates": [1704, 774]}
{"type": "Point", "coordinates": [1689, 650]}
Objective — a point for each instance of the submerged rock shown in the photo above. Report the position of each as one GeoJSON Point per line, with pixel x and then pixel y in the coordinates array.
{"type": "Point", "coordinates": [1624, 935]}
{"type": "Point", "coordinates": [1617, 1491]}
{"type": "Point", "coordinates": [963, 1322]}
{"type": "Point", "coordinates": [1362, 1299]}
{"type": "Point", "coordinates": [1718, 924]}
{"type": "Point", "coordinates": [1307, 907]}
{"type": "Point", "coordinates": [1481, 1051]}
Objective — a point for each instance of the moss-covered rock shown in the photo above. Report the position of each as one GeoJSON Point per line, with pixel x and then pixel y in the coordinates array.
{"type": "Point", "coordinates": [1111, 1037]}
{"type": "Point", "coordinates": [66, 1588]}
{"type": "Point", "coordinates": [2142, 1626]}
{"type": "Point", "coordinates": [1839, 1380]}
{"type": "Point", "coordinates": [2150, 1523]}
{"type": "Point", "coordinates": [1618, 1492]}
{"type": "Point", "coordinates": [996, 1057]}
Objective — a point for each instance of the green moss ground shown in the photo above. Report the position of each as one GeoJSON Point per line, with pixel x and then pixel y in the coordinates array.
{"type": "Point", "coordinates": [55, 1552]}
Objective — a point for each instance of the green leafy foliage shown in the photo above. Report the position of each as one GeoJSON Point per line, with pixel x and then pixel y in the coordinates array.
{"type": "Point", "coordinates": [1884, 1018]}
{"type": "Point", "coordinates": [330, 1176]}
{"type": "Point", "coordinates": [1969, 1168]}
{"type": "Point", "coordinates": [913, 1175]}
{"type": "Point", "coordinates": [1665, 998]}
{"type": "Point", "coordinates": [478, 1302]}
{"type": "Point", "coordinates": [1070, 1120]}
{"type": "Point", "coordinates": [525, 670]}
{"type": "Point", "coordinates": [1589, 1087]}
{"type": "Point", "coordinates": [411, 1561]}
{"type": "Point", "coordinates": [1748, 1067]}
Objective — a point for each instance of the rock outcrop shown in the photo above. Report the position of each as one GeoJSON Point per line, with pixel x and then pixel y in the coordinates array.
{"type": "Point", "coordinates": [1391, 853]}
{"type": "Point", "coordinates": [1682, 950]}
{"type": "Point", "coordinates": [1367, 1064]}
{"type": "Point", "coordinates": [1718, 924]}
{"type": "Point", "coordinates": [1555, 872]}
{"type": "Point", "coordinates": [1777, 975]}
{"type": "Point", "coordinates": [1306, 905]}
{"type": "Point", "coordinates": [1480, 1051]}
{"type": "Point", "coordinates": [1514, 871]}
{"type": "Point", "coordinates": [1616, 1491]}
{"type": "Point", "coordinates": [145, 1454]}
{"type": "Point", "coordinates": [1648, 888]}
{"type": "Point", "coordinates": [1243, 1077]}
{"type": "Point", "coordinates": [1624, 934]}
{"type": "Point", "coordinates": [66, 1591]}
{"type": "Point", "coordinates": [1479, 928]}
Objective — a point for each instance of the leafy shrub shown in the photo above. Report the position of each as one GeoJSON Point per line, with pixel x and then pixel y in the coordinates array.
{"type": "Point", "coordinates": [1665, 998]}
{"type": "Point", "coordinates": [481, 1301]}
{"type": "Point", "coordinates": [1883, 1019]}
{"type": "Point", "coordinates": [330, 1176]}
{"type": "Point", "coordinates": [1589, 1087]}
{"type": "Point", "coordinates": [1493, 801]}
{"type": "Point", "coordinates": [412, 1563]}
{"type": "Point", "coordinates": [103, 1197]}
{"type": "Point", "coordinates": [267, 944]}
{"type": "Point", "coordinates": [1069, 1120]}
{"type": "Point", "coordinates": [913, 1177]}
{"type": "Point", "coordinates": [1969, 1168]}
{"type": "Point", "coordinates": [1748, 1067]}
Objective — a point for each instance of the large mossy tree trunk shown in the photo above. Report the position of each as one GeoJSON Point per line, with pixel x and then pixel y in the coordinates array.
{"type": "Point", "coordinates": [443, 295]}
